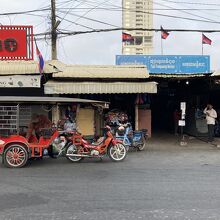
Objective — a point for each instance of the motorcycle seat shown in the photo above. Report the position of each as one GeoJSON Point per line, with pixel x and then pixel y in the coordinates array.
{"type": "Point", "coordinates": [138, 132]}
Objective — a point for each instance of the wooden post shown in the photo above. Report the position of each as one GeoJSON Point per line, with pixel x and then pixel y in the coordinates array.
{"type": "Point", "coordinates": [136, 117]}
{"type": "Point", "coordinates": [55, 114]}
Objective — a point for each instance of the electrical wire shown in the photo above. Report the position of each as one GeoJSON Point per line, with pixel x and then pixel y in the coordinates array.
{"type": "Point", "coordinates": [88, 12]}
{"type": "Point", "coordinates": [154, 9]}
{"type": "Point", "coordinates": [66, 13]}
{"type": "Point", "coordinates": [65, 34]}
{"type": "Point", "coordinates": [91, 19]}
{"type": "Point", "coordinates": [72, 22]}
{"type": "Point", "coordinates": [189, 13]}
{"type": "Point", "coordinates": [157, 14]}
{"type": "Point", "coordinates": [25, 12]}
{"type": "Point", "coordinates": [96, 6]}
{"type": "Point", "coordinates": [194, 3]}
{"type": "Point", "coordinates": [190, 7]}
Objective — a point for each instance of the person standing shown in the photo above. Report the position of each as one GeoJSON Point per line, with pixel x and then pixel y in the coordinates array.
{"type": "Point", "coordinates": [211, 115]}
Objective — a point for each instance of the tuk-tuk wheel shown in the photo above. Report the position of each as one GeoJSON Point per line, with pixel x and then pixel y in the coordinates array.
{"type": "Point", "coordinates": [15, 156]}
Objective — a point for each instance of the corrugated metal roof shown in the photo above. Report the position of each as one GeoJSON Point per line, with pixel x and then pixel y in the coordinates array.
{"type": "Point", "coordinates": [43, 99]}
{"type": "Point", "coordinates": [23, 67]}
{"type": "Point", "coordinates": [18, 67]}
{"type": "Point", "coordinates": [53, 87]}
{"type": "Point", "coordinates": [60, 70]}
{"type": "Point", "coordinates": [94, 71]}
{"type": "Point", "coordinates": [56, 65]}
{"type": "Point", "coordinates": [216, 73]}
{"type": "Point", "coordinates": [177, 75]}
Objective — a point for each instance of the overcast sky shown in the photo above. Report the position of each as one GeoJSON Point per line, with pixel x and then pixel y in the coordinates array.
{"type": "Point", "coordinates": [101, 48]}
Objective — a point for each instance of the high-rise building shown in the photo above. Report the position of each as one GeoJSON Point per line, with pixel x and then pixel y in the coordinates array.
{"type": "Point", "coordinates": [137, 14]}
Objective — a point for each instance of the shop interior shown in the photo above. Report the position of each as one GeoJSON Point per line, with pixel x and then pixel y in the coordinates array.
{"type": "Point", "coordinates": [196, 92]}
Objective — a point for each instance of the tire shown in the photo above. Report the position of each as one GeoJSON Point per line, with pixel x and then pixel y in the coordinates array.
{"type": "Point", "coordinates": [71, 148]}
{"type": "Point", "coordinates": [141, 147]}
{"type": "Point", "coordinates": [15, 156]}
{"type": "Point", "coordinates": [117, 152]}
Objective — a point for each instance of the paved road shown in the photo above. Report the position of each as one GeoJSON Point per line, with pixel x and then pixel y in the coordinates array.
{"type": "Point", "coordinates": [160, 183]}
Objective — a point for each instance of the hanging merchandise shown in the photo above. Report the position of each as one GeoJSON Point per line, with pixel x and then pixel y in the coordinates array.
{"type": "Point", "coordinates": [116, 116]}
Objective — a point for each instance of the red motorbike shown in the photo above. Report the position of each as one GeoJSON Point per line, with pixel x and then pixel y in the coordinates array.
{"type": "Point", "coordinates": [79, 148]}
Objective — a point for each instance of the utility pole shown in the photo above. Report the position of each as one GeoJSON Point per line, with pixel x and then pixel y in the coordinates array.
{"type": "Point", "coordinates": [53, 31]}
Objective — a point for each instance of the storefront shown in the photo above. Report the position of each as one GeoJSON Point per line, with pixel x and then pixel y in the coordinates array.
{"type": "Point", "coordinates": [123, 87]}
{"type": "Point", "coordinates": [180, 78]}
{"type": "Point", "coordinates": [20, 82]}
{"type": "Point", "coordinates": [195, 90]}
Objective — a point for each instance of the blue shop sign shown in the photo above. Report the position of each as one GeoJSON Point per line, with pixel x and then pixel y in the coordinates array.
{"type": "Point", "coordinates": [171, 64]}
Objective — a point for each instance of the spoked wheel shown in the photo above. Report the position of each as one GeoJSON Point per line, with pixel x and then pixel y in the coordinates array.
{"type": "Point", "coordinates": [117, 152]}
{"type": "Point", "coordinates": [72, 149]}
{"type": "Point", "coordinates": [15, 156]}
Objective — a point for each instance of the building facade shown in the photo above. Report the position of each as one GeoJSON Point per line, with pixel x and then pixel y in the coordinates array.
{"type": "Point", "coordinates": [138, 14]}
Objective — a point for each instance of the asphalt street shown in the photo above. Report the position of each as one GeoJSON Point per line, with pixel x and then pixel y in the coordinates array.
{"type": "Point", "coordinates": [165, 181]}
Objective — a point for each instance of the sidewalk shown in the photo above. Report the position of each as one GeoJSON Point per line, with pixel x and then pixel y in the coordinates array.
{"type": "Point", "coordinates": [165, 141]}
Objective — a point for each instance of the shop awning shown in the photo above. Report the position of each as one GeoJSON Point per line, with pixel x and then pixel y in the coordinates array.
{"type": "Point", "coordinates": [54, 87]}
{"type": "Point", "coordinates": [49, 100]}
{"type": "Point", "coordinates": [44, 99]}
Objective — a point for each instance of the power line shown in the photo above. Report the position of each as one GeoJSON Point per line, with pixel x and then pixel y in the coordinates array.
{"type": "Point", "coordinates": [155, 9]}
{"type": "Point", "coordinates": [157, 14]}
{"type": "Point", "coordinates": [66, 13]}
{"type": "Point", "coordinates": [25, 12]}
{"type": "Point", "coordinates": [91, 19]}
{"type": "Point", "coordinates": [189, 13]}
{"type": "Point", "coordinates": [164, 15]}
{"type": "Point", "coordinates": [76, 23]}
{"type": "Point", "coordinates": [193, 3]}
{"type": "Point", "coordinates": [69, 33]}
{"type": "Point", "coordinates": [90, 11]}
{"type": "Point", "coordinates": [134, 29]}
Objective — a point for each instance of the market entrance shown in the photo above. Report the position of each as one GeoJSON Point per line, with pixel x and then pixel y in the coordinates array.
{"type": "Point", "coordinates": [166, 103]}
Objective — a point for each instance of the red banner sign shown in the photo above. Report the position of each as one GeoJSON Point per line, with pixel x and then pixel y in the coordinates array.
{"type": "Point", "coordinates": [16, 42]}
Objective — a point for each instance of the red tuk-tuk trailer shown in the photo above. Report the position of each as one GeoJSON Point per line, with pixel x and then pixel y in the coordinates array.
{"type": "Point", "coordinates": [15, 112]}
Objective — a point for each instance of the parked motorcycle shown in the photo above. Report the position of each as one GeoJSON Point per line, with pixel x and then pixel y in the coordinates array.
{"type": "Point", "coordinates": [130, 138]}
{"type": "Point", "coordinates": [80, 148]}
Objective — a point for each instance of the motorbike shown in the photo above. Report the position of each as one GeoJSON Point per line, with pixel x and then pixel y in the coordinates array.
{"type": "Point", "coordinates": [130, 138]}
{"type": "Point", "coordinates": [80, 148]}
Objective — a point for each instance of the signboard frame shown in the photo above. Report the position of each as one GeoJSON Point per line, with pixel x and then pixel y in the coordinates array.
{"type": "Point", "coordinates": [16, 42]}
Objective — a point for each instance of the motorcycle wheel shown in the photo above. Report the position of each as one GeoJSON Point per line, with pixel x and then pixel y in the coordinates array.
{"type": "Point", "coordinates": [15, 156]}
{"type": "Point", "coordinates": [72, 149]}
{"type": "Point", "coordinates": [117, 152]}
{"type": "Point", "coordinates": [141, 146]}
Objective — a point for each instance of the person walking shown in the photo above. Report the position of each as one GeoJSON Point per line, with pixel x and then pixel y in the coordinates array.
{"type": "Point", "coordinates": [211, 115]}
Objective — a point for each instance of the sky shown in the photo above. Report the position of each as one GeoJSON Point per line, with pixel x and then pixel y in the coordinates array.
{"type": "Point", "coordinates": [101, 48]}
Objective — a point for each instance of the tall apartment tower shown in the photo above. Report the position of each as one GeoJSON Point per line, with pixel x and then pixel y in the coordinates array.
{"type": "Point", "coordinates": [135, 15]}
